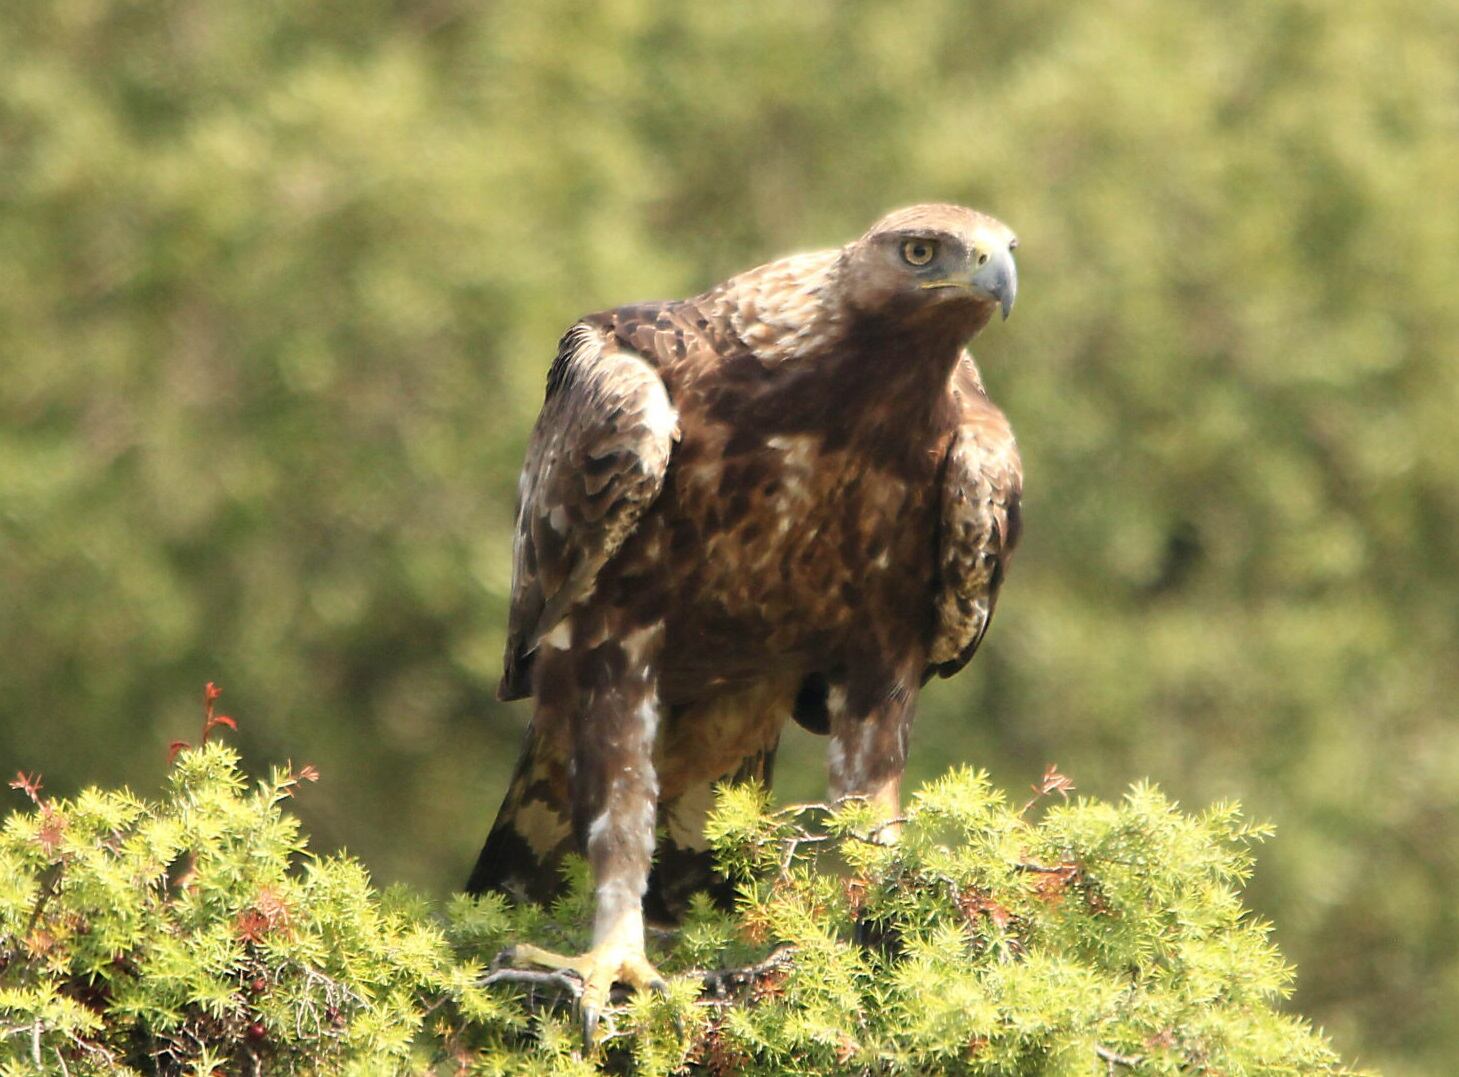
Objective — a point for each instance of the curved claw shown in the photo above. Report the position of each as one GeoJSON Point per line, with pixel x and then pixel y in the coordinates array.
{"type": "Point", "coordinates": [598, 970]}
{"type": "Point", "coordinates": [597, 985]}
{"type": "Point", "coordinates": [590, 1016]}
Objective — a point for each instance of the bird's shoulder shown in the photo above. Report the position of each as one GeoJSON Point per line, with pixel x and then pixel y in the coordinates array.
{"type": "Point", "coordinates": [777, 311]}
{"type": "Point", "coordinates": [784, 309]}
{"type": "Point", "coordinates": [984, 442]}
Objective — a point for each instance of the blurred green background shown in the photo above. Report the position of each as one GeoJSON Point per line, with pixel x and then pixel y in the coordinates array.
{"type": "Point", "coordinates": [279, 284]}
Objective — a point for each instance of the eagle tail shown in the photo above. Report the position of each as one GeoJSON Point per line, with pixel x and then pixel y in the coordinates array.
{"type": "Point", "coordinates": [523, 854]}
{"type": "Point", "coordinates": [533, 829]}
{"type": "Point", "coordinates": [683, 861]}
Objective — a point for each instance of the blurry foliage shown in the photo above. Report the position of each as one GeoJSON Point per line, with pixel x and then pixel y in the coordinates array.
{"type": "Point", "coordinates": [195, 934]}
{"type": "Point", "coordinates": [279, 283]}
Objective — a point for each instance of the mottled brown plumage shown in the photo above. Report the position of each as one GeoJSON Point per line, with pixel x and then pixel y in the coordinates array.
{"type": "Point", "coordinates": [789, 495]}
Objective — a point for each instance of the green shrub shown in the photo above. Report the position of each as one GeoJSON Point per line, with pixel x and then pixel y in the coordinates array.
{"type": "Point", "coordinates": [196, 934]}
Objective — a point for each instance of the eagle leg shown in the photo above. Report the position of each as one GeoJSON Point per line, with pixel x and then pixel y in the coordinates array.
{"type": "Point", "coordinates": [615, 789]}
{"type": "Point", "coordinates": [870, 718]}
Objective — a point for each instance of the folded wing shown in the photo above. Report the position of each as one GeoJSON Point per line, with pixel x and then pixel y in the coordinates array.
{"type": "Point", "coordinates": [982, 484]}
{"type": "Point", "coordinates": [595, 462]}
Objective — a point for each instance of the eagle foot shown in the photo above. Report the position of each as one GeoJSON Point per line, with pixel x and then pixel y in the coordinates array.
{"type": "Point", "coordinates": [598, 969]}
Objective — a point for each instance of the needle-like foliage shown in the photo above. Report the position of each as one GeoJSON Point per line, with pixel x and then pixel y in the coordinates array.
{"type": "Point", "coordinates": [196, 934]}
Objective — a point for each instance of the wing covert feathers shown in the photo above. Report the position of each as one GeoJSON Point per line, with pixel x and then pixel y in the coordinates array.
{"type": "Point", "coordinates": [596, 460]}
{"type": "Point", "coordinates": [982, 483]}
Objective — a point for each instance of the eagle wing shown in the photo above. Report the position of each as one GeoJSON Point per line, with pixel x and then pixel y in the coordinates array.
{"type": "Point", "coordinates": [980, 522]}
{"type": "Point", "coordinates": [596, 460]}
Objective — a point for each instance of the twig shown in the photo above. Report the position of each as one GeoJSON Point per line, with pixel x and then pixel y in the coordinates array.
{"type": "Point", "coordinates": [896, 820]}
{"type": "Point", "coordinates": [819, 805]}
{"type": "Point", "coordinates": [48, 890]}
{"type": "Point", "coordinates": [795, 843]}
{"type": "Point", "coordinates": [868, 839]}
{"type": "Point", "coordinates": [1113, 1059]}
{"type": "Point", "coordinates": [1045, 869]}
{"type": "Point", "coordinates": [336, 996]}
{"type": "Point", "coordinates": [86, 1047]}
{"type": "Point", "coordinates": [718, 982]}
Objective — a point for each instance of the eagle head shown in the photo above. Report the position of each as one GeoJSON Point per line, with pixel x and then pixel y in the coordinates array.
{"type": "Point", "coordinates": [940, 261]}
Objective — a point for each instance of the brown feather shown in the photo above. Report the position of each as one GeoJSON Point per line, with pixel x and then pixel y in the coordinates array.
{"type": "Point", "coordinates": [596, 460]}
{"type": "Point", "coordinates": [981, 487]}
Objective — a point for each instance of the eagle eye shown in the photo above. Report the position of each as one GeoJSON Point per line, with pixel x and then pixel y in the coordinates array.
{"type": "Point", "coordinates": [918, 252]}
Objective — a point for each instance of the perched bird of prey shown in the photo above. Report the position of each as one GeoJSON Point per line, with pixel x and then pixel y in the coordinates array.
{"type": "Point", "coordinates": [789, 496]}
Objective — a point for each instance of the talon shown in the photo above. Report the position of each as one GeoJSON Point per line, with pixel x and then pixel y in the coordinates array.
{"type": "Point", "coordinates": [596, 987]}
{"type": "Point", "coordinates": [599, 970]}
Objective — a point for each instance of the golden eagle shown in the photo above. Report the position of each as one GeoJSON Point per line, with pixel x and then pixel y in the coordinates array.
{"type": "Point", "coordinates": [787, 496]}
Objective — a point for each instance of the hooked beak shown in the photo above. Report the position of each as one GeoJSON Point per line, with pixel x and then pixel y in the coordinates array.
{"type": "Point", "coordinates": [997, 279]}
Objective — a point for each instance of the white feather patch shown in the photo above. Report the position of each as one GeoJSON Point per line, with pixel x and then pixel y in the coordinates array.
{"type": "Point", "coordinates": [560, 638]}
{"type": "Point", "coordinates": [660, 416]}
